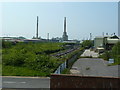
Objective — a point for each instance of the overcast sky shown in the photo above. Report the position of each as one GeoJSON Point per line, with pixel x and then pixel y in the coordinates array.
{"type": "Point", "coordinates": [83, 18]}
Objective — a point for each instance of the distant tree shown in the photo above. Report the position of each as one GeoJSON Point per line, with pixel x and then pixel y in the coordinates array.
{"type": "Point", "coordinates": [116, 52]}
{"type": "Point", "coordinates": [116, 49]}
{"type": "Point", "coordinates": [21, 37]}
{"type": "Point", "coordinates": [87, 43]}
{"type": "Point", "coordinates": [6, 44]}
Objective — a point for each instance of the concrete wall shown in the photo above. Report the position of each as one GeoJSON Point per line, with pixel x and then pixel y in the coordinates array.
{"type": "Point", "coordinates": [72, 81]}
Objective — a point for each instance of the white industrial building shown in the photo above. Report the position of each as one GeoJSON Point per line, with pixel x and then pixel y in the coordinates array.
{"type": "Point", "coordinates": [102, 43]}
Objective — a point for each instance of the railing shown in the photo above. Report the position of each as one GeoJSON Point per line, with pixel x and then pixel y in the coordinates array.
{"type": "Point", "coordinates": [60, 68]}
{"type": "Point", "coordinates": [67, 64]}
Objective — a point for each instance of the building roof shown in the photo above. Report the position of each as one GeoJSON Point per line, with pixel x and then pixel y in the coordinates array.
{"type": "Point", "coordinates": [99, 37]}
{"type": "Point", "coordinates": [112, 41]}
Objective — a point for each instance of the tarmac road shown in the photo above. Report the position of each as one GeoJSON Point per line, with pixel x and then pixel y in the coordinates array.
{"type": "Point", "coordinates": [25, 82]}
{"type": "Point", "coordinates": [94, 67]}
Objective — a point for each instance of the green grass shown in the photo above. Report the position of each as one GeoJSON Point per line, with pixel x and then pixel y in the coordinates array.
{"type": "Point", "coordinates": [29, 59]}
{"type": "Point", "coordinates": [66, 71]}
{"type": "Point", "coordinates": [20, 71]}
{"type": "Point", "coordinates": [112, 64]}
{"type": "Point", "coordinates": [32, 59]}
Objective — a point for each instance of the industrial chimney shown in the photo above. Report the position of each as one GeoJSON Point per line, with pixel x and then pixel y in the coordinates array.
{"type": "Point", "coordinates": [37, 29]}
{"type": "Point", "coordinates": [65, 36]}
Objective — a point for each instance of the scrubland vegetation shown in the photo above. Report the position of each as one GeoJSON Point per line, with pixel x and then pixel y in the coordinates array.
{"type": "Point", "coordinates": [114, 53]}
{"type": "Point", "coordinates": [31, 59]}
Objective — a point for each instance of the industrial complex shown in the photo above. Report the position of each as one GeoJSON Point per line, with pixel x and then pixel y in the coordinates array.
{"type": "Point", "coordinates": [101, 43]}
{"type": "Point", "coordinates": [106, 42]}
{"type": "Point", "coordinates": [64, 37]}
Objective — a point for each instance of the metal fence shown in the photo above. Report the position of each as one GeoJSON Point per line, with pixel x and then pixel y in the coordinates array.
{"type": "Point", "coordinates": [67, 64]}
{"type": "Point", "coordinates": [60, 68]}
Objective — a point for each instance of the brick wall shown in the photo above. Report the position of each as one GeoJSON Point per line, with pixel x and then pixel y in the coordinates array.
{"type": "Point", "coordinates": [72, 81]}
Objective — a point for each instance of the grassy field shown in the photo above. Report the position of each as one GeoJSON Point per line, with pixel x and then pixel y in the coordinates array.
{"type": "Point", "coordinates": [66, 71]}
{"type": "Point", "coordinates": [21, 71]}
{"type": "Point", "coordinates": [8, 70]}
{"type": "Point", "coordinates": [31, 59]}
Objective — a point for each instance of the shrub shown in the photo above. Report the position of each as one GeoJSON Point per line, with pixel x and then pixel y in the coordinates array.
{"type": "Point", "coordinates": [14, 58]}
{"type": "Point", "coordinates": [116, 52]}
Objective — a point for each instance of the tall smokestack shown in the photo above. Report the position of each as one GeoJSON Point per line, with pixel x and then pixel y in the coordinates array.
{"type": "Point", "coordinates": [47, 36]}
{"type": "Point", "coordinates": [90, 36]}
{"type": "Point", "coordinates": [37, 29]}
{"type": "Point", "coordinates": [65, 36]}
{"type": "Point", "coordinates": [103, 34]}
{"type": "Point", "coordinates": [64, 24]}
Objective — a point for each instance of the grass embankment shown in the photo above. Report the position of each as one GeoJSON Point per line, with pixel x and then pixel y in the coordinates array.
{"type": "Point", "coordinates": [66, 71]}
{"type": "Point", "coordinates": [31, 59]}
{"type": "Point", "coordinates": [21, 71]}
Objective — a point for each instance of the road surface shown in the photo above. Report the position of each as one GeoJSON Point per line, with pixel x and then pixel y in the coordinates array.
{"type": "Point", "coordinates": [25, 82]}
{"type": "Point", "coordinates": [93, 66]}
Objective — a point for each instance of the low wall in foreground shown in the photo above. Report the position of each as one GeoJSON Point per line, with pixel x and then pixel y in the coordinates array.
{"type": "Point", "coordinates": [72, 81]}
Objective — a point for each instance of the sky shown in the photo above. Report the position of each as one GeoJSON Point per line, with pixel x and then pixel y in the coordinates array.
{"type": "Point", "coordinates": [83, 18]}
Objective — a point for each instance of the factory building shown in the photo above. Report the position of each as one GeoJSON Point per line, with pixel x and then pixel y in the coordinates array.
{"type": "Point", "coordinates": [105, 42]}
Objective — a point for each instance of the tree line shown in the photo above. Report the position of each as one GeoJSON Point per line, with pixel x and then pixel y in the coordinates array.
{"type": "Point", "coordinates": [114, 53]}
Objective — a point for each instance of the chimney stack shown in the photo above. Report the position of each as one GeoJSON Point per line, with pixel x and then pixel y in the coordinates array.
{"type": "Point", "coordinates": [90, 36]}
{"type": "Point", "coordinates": [47, 36]}
{"type": "Point", "coordinates": [65, 36]}
{"type": "Point", "coordinates": [37, 29]}
{"type": "Point", "coordinates": [64, 24]}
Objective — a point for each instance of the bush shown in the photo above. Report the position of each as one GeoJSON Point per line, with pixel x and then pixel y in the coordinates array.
{"type": "Point", "coordinates": [34, 56]}
{"type": "Point", "coordinates": [6, 44]}
{"type": "Point", "coordinates": [14, 58]}
{"type": "Point", "coordinates": [87, 44]}
{"type": "Point", "coordinates": [116, 52]}
{"type": "Point", "coordinates": [106, 55]}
